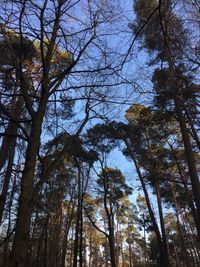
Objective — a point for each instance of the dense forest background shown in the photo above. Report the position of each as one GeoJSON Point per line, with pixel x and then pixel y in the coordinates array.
{"type": "Point", "coordinates": [99, 133]}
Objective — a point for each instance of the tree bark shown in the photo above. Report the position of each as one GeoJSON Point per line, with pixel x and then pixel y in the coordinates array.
{"type": "Point", "coordinates": [190, 199]}
{"type": "Point", "coordinates": [163, 259]}
{"type": "Point", "coordinates": [186, 256]}
{"type": "Point", "coordinates": [20, 243]}
{"type": "Point", "coordinates": [110, 218]}
{"type": "Point", "coordinates": [78, 218]}
{"type": "Point", "coordinates": [7, 178]}
{"type": "Point", "coordinates": [162, 225]}
{"type": "Point", "coordinates": [189, 154]}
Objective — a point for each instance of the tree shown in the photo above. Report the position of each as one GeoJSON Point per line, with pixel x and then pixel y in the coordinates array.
{"type": "Point", "coordinates": [170, 50]}
{"type": "Point", "coordinates": [40, 79]}
{"type": "Point", "coordinates": [68, 73]}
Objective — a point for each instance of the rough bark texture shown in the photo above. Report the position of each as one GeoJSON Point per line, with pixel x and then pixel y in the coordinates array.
{"type": "Point", "coordinates": [20, 243]}
{"type": "Point", "coordinates": [189, 154]}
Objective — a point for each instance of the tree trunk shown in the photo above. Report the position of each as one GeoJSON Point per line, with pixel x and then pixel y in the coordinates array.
{"type": "Point", "coordinates": [190, 200]}
{"type": "Point", "coordinates": [111, 240]}
{"type": "Point", "coordinates": [164, 238]}
{"type": "Point", "coordinates": [65, 241]}
{"type": "Point", "coordinates": [8, 150]}
{"type": "Point", "coordinates": [31, 246]}
{"type": "Point", "coordinates": [6, 254]}
{"type": "Point", "coordinates": [186, 256]}
{"type": "Point", "coordinates": [81, 238]}
{"type": "Point", "coordinates": [129, 248]}
{"type": "Point", "coordinates": [193, 132]}
{"type": "Point", "coordinates": [163, 261]}
{"type": "Point", "coordinates": [78, 217]}
{"type": "Point", "coordinates": [21, 239]}
{"type": "Point", "coordinates": [117, 244]}
{"type": "Point", "coordinates": [122, 249]}
{"type": "Point", "coordinates": [110, 218]}
{"type": "Point", "coordinates": [7, 178]}
{"type": "Point", "coordinates": [189, 156]}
